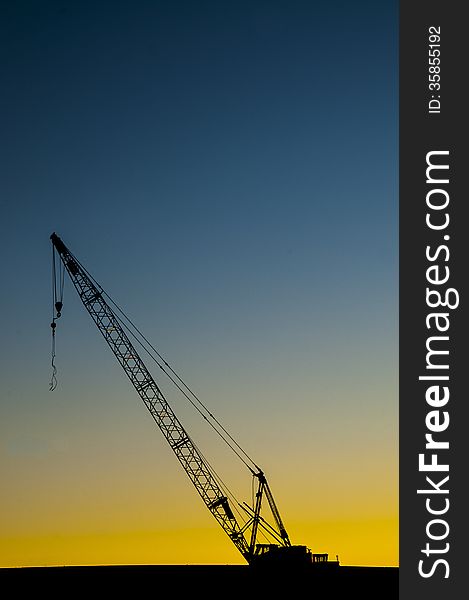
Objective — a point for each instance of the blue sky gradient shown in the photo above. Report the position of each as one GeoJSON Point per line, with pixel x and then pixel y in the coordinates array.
{"type": "Point", "coordinates": [228, 172]}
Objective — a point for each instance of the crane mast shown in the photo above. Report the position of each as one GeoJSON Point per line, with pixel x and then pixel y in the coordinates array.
{"type": "Point", "coordinates": [191, 459]}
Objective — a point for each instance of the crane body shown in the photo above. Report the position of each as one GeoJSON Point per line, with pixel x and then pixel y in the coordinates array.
{"type": "Point", "coordinates": [191, 459]}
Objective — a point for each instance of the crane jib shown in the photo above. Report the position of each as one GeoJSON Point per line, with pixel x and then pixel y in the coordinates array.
{"type": "Point", "coordinates": [194, 464]}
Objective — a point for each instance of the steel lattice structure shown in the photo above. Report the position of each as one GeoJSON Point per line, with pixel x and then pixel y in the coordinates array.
{"type": "Point", "coordinates": [146, 387]}
{"type": "Point", "coordinates": [194, 464]}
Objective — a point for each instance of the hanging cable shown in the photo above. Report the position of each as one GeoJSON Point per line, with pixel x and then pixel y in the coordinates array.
{"type": "Point", "coordinates": [53, 379]}
{"type": "Point", "coordinates": [57, 304]}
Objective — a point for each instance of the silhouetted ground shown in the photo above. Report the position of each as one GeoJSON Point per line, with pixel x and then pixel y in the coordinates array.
{"type": "Point", "coordinates": [182, 580]}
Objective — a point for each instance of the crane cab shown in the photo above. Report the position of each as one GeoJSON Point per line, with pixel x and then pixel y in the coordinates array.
{"type": "Point", "coordinates": [273, 555]}
{"type": "Point", "coordinates": [285, 556]}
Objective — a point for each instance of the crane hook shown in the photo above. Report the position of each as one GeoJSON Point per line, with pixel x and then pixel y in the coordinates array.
{"type": "Point", "coordinates": [58, 308]}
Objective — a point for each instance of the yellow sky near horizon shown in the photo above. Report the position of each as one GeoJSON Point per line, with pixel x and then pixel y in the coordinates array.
{"type": "Point", "coordinates": [121, 499]}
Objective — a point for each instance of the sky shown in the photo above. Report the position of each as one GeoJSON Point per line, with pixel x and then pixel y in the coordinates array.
{"type": "Point", "coordinates": [228, 172]}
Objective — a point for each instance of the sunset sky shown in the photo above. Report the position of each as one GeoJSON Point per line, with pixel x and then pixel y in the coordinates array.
{"type": "Point", "coordinates": [228, 172]}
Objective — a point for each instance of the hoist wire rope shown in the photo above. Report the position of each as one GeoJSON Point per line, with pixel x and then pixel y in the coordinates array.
{"type": "Point", "coordinates": [62, 281]}
{"type": "Point", "coordinates": [175, 383]}
{"type": "Point", "coordinates": [54, 282]}
{"type": "Point", "coordinates": [58, 280]}
{"type": "Point", "coordinates": [181, 381]}
{"type": "Point", "coordinates": [221, 483]}
{"type": "Point", "coordinates": [53, 379]}
{"type": "Point", "coordinates": [150, 352]}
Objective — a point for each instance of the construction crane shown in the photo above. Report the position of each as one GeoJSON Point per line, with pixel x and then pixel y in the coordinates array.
{"type": "Point", "coordinates": [116, 332]}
